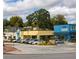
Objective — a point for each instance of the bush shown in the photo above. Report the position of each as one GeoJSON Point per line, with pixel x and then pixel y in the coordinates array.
{"type": "Point", "coordinates": [51, 42]}
{"type": "Point", "coordinates": [42, 43]}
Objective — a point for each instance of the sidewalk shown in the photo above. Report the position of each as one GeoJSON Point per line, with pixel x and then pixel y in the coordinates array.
{"type": "Point", "coordinates": [35, 49]}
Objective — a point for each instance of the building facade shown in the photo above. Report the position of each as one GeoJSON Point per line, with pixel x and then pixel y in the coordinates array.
{"type": "Point", "coordinates": [8, 35]}
{"type": "Point", "coordinates": [36, 34]}
{"type": "Point", "coordinates": [66, 32]}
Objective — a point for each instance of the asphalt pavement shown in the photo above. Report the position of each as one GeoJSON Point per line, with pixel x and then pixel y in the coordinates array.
{"type": "Point", "coordinates": [41, 56]}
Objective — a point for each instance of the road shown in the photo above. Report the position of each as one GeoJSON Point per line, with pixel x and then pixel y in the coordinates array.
{"type": "Point", "coordinates": [41, 56]}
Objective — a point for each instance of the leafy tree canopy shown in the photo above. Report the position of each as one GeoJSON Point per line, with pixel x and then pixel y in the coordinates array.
{"type": "Point", "coordinates": [16, 21]}
{"type": "Point", "coordinates": [40, 18]}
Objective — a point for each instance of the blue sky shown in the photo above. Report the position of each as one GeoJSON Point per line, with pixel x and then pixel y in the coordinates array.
{"type": "Point", "coordinates": [12, 1]}
{"type": "Point", "coordinates": [25, 7]}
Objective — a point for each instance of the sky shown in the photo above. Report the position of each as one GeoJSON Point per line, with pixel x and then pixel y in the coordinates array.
{"type": "Point", "coordinates": [25, 7]}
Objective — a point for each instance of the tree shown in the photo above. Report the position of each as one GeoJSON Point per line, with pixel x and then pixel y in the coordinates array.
{"type": "Point", "coordinates": [61, 20]}
{"type": "Point", "coordinates": [25, 24]}
{"type": "Point", "coordinates": [53, 22]}
{"type": "Point", "coordinates": [5, 23]}
{"type": "Point", "coordinates": [16, 21]}
{"type": "Point", "coordinates": [40, 18]}
{"type": "Point", "coordinates": [58, 20]}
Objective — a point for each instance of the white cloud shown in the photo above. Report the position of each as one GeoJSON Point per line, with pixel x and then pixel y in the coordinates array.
{"type": "Point", "coordinates": [69, 3]}
{"type": "Point", "coordinates": [22, 7]}
{"type": "Point", "coordinates": [69, 13]}
{"type": "Point", "coordinates": [72, 21]}
{"type": "Point", "coordinates": [26, 4]}
{"type": "Point", "coordinates": [62, 10]}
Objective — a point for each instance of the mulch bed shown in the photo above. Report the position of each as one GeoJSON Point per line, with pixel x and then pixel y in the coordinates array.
{"type": "Point", "coordinates": [8, 48]}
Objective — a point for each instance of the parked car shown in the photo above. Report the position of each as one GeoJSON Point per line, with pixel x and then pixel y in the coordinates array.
{"type": "Point", "coordinates": [14, 41]}
{"type": "Point", "coordinates": [26, 40]}
{"type": "Point", "coordinates": [59, 42]}
{"type": "Point", "coordinates": [36, 41]}
{"type": "Point", "coordinates": [30, 41]}
{"type": "Point", "coordinates": [17, 41]}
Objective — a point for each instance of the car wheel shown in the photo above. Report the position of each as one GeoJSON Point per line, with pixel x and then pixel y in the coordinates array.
{"type": "Point", "coordinates": [31, 43]}
{"type": "Point", "coordinates": [36, 43]}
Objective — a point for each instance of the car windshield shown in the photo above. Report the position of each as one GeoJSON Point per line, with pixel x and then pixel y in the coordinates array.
{"type": "Point", "coordinates": [35, 40]}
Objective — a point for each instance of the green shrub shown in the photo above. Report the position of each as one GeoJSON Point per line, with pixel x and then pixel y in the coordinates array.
{"type": "Point", "coordinates": [42, 43]}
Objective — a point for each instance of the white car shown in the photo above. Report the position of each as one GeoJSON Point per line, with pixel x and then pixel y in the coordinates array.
{"type": "Point", "coordinates": [59, 42]}
{"type": "Point", "coordinates": [36, 42]}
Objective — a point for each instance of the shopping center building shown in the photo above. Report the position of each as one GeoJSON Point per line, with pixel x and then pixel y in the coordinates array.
{"type": "Point", "coordinates": [36, 34]}
{"type": "Point", "coordinates": [66, 32]}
